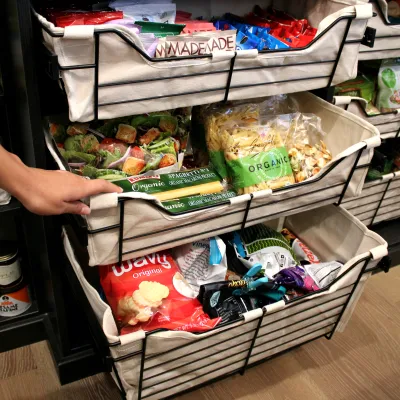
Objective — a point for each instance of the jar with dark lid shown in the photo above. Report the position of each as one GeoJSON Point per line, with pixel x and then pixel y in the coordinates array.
{"type": "Point", "coordinates": [10, 268]}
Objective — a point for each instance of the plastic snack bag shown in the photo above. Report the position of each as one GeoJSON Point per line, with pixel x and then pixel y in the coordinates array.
{"type": "Point", "coordinates": [150, 293]}
{"type": "Point", "coordinates": [302, 135]}
{"type": "Point", "coordinates": [202, 262]}
{"type": "Point", "coordinates": [388, 98]}
{"type": "Point", "coordinates": [301, 250]}
{"type": "Point", "coordinates": [261, 244]}
{"type": "Point", "coordinates": [256, 158]}
{"type": "Point", "coordinates": [215, 117]}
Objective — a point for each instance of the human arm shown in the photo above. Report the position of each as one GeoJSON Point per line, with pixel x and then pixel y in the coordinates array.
{"type": "Point", "coordinates": [48, 192]}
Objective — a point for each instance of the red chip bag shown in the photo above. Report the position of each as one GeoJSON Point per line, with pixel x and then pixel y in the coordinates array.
{"type": "Point", "coordinates": [149, 293]}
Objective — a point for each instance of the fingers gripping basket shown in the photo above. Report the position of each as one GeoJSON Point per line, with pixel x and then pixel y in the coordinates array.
{"type": "Point", "coordinates": [126, 227]}
{"type": "Point", "coordinates": [161, 364]}
{"type": "Point", "coordinates": [106, 72]}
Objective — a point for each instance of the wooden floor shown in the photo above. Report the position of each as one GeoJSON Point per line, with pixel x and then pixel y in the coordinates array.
{"type": "Point", "coordinates": [361, 363]}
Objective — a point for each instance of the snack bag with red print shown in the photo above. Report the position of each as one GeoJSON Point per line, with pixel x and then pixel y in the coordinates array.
{"type": "Point", "coordinates": [149, 293]}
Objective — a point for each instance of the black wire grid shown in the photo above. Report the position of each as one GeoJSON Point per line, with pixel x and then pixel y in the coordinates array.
{"type": "Point", "coordinates": [311, 324]}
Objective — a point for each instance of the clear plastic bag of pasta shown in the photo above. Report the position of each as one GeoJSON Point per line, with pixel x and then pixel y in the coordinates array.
{"type": "Point", "coordinates": [302, 135]}
{"type": "Point", "coordinates": [216, 117]}
{"type": "Point", "coordinates": [256, 158]}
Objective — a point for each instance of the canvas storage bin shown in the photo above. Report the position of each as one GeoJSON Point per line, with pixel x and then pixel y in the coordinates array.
{"type": "Point", "coordinates": [388, 124]}
{"type": "Point", "coordinates": [177, 361]}
{"type": "Point", "coordinates": [387, 39]}
{"type": "Point", "coordinates": [379, 200]}
{"type": "Point", "coordinates": [147, 227]}
{"type": "Point", "coordinates": [129, 82]}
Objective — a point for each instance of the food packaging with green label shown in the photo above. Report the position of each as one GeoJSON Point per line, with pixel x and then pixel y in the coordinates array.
{"type": "Point", "coordinates": [256, 158]}
{"type": "Point", "coordinates": [388, 98]}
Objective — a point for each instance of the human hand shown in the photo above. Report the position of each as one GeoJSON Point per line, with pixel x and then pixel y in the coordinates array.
{"type": "Point", "coordinates": [59, 192]}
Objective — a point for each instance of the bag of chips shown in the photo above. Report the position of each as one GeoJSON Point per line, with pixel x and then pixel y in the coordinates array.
{"type": "Point", "coordinates": [149, 293]}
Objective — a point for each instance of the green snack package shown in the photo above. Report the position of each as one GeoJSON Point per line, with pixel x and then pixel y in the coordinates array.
{"type": "Point", "coordinates": [261, 244]}
{"type": "Point", "coordinates": [174, 185]}
{"type": "Point", "coordinates": [388, 98]}
{"type": "Point", "coordinates": [160, 29]}
{"type": "Point", "coordinates": [362, 86]}
{"type": "Point", "coordinates": [192, 203]}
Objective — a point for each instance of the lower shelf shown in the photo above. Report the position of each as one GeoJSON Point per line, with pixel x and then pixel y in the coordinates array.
{"type": "Point", "coordinates": [32, 311]}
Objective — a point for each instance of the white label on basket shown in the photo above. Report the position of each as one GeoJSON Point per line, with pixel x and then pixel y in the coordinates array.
{"type": "Point", "coordinates": [323, 273]}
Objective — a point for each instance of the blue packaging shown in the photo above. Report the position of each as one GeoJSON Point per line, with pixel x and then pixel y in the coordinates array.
{"type": "Point", "coordinates": [273, 43]}
{"type": "Point", "coordinates": [248, 41]}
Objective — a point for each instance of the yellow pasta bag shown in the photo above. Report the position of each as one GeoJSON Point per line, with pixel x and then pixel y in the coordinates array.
{"type": "Point", "coordinates": [256, 158]}
{"type": "Point", "coordinates": [222, 116]}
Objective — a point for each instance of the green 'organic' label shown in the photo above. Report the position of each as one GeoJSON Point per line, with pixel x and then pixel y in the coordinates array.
{"type": "Point", "coordinates": [261, 167]}
{"type": "Point", "coordinates": [165, 182]}
{"type": "Point", "coordinates": [217, 159]}
{"type": "Point", "coordinates": [192, 203]}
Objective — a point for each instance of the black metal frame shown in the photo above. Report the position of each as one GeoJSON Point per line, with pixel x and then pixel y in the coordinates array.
{"type": "Point", "coordinates": [103, 347]}
{"type": "Point", "coordinates": [54, 68]}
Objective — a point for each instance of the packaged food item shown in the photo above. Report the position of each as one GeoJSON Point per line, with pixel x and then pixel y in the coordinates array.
{"type": "Point", "coordinates": [147, 144]}
{"type": "Point", "coordinates": [219, 302]}
{"type": "Point", "coordinates": [64, 18]}
{"type": "Point", "coordinates": [191, 203]}
{"type": "Point", "coordinates": [202, 262]}
{"type": "Point", "coordinates": [256, 158]}
{"type": "Point", "coordinates": [214, 118]}
{"type": "Point", "coordinates": [10, 268]}
{"type": "Point", "coordinates": [362, 86]}
{"type": "Point", "coordinates": [15, 299]}
{"type": "Point", "coordinates": [149, 293]}
{"type": "Point", "coordinates": [160, 30]}
{"type": "Point", "coordinates": [174, 185]}
{"type": "Point", "coordinates": [310, 277]}
{"type": "Point", "coordinates": [164, 13]}
{"type": "Point", "coordinates": [263, 245]}
{"type": "Point", "coordinates": [301, 250]}
{"type": "Point", "coordinates": [388, 98]}
{"type": "Point", "coordinates": [302, 135]}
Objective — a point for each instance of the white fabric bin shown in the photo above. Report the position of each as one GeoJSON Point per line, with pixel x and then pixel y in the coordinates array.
{"type": "Point", "coordinates": [388, 124]}
{"type": "Point", "coordinates": [149, 228]}
{"type": "Point", "coordinates": [387, 39]}
{"type": "Point", "coordinates": [177, 361]}
{"type": "Point", "coordinates": [131, 83]}
{"type": "Point", "coordinates": [378, 200]}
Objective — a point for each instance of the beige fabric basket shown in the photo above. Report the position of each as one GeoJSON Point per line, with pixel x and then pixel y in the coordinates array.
{"type": "Point", "coordinates": [387, 39]}
{"type": "Point", "coordinates": [331, 232]}
{"type": "Point", "coordinates": [151, 229]}
{"type": "Point", "coordinates": [179, 83]}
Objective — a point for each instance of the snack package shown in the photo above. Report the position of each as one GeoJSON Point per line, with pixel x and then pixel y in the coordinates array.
{"type": "Point", "coordinates": [261, 244]}
{"type": "Point", "coordinates": [310, 277]}
{"type": "Point", "coordinates": [215, 117]}
{"type": "Point", "coordinates": [162, 13]}
{"type": "Point", "coordinates": [388, 98]}
{"type": "Point", "coordinates": [147, 144]}
{"type": "Point", "coordinates": [64, 18]}
{"type": "Point", "coordinates": [302, 135]}
{"type": "Point", "coordinates": [301, 250]}
{"type": "Point", "coordinates": [202, 262]}
{"type": "Point", "coordinates": [149, 293]}
{"type": "Point", "coordinates": [174, 185]}
{"type": "Point", "coordinates": [256, 158]}
{"type": "Point", "coordinates": [191, 203]}
{"type": "Point", "coordinates": [394, 11]}
{"type": "Point", "coordinates": [362, 86]}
